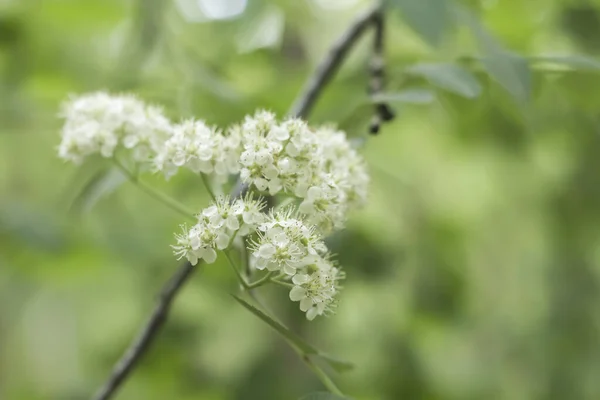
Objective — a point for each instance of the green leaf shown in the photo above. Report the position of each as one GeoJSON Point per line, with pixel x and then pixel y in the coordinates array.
{"type": "Point", "coordinates": [576, 61]}
{"type": "Point", "coordinates": [450, 77]}
{"type": "Point", "coordinates": [410, 96]}
{"type": "Point", "coordinates": [101, 184]}
{"type": "Point", "coordinates": [511, 71]}
{"type": "Point", "coordinates": [294, 339]}
{"type": "Point", "coordinates": [322, 396]}
{"type": "Point", "coordinates": [429, 18]}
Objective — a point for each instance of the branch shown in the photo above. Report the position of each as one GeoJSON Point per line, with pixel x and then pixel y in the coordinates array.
{"type": "Point", "coordinates": [301, 108]}
{"type": "Point", "coordinates": [330, 64]}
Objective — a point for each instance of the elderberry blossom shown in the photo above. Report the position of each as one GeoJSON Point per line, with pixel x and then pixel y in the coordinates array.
{"type": "Point", "coordinates": [316, 290]}
{"type": "Point", "coordinates": [200, 148]}
{"type": "Point", "coordinates": [217, 225]}
{"type": "Point", "coordinates": [101, 123]}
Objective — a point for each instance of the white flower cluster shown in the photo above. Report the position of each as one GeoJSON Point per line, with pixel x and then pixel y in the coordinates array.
{"type": "Point", "coordinates": [316, 290]}
{"type": "Point", "coordinates": [217, 226]}
{"type": "Point", "coordinates": [318, 166]}
{"type": "Point", "coordinates": [345, 165]}
{"type": "Point", "coordinates": [286, 245]}
{"type": "Point", "coordinates": [200, 148]}
{"type": "Point", "coordinates": [98, 123]}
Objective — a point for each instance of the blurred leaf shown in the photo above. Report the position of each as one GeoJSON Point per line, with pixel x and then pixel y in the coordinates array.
{"type": "Point", "coordinates": [576, 61]}
{"type": "Point", "coordinates": [28, 225]}
{"type": "Point", "coordinates": [294, 339]}
{"type": "Point", "coordinates": [101, 184]}
{"type": "Point", "coordinates": [429, 18]}
{"type": "Point", "coordinates": [322, 396]}
{"type": "Point", "coordinates": [450, 77]}
{"type": "Point", "coordinates": [411, 96]}
{"type": "Point", "coordinates": [511, 71]}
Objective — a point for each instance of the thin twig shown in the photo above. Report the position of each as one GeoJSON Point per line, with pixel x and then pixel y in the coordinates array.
{"type": "Point", "coordinates": [301, 108]}
{"type": "Point", "coordinates": [383, 112]}
{"type": "Point", "coordinates": [330, 64]}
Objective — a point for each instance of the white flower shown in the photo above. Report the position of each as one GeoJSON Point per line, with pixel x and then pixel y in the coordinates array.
{"type": "Point", "coordinates": [195, 244]}
{"type": "Point", "coordinates": [345, 164]}
{"type": "Point", "coordinates": [274, 153]}
{"type": "Point", "coordinates": [99, 123]}
{"type": "Point", "coordinates": [217, 225]}
{"type": "Point", "coordinates": [285, 244]}
{"type": "Point", "coordinates": [316, 291]}
{"type": "Point", "coordinates": [200, 148]}
{"type": "Point", "coordinates": [251, 214]}
{"type": "Point", "coordinates": [319, 166]}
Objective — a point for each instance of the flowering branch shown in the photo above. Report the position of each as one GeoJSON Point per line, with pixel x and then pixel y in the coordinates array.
{"type": "Point", "coordinates": [301, 288]}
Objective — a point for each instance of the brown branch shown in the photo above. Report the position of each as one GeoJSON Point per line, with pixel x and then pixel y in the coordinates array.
{"type": "Point", "coordinates": [301, 108]}
{"type": "Point", "coordinates": [330, 64]}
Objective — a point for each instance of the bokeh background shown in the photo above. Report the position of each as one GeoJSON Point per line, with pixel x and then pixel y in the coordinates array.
{"type": "Point", "coordinates": [474, 272]}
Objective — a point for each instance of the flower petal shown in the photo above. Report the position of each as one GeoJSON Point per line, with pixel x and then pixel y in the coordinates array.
{"type": "Point", "coordinates": [297, 293]}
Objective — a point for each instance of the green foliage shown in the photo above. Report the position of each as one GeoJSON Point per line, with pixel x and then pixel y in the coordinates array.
{"type": "Point", "coordinates": [448, 76]}
{"type": "Point", "coordinates": [472, 273]}
{"type": "Point", "coordinates": [431, 19]}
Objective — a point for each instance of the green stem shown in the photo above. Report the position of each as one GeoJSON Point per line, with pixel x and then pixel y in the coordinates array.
{"type": "Point", "coordinates": [281, 283]}
{"type": "Point", "coordinates": [207, 186]}
{"type": "Point", "coordinates": [322, 375]}
{"type": "Point", "coordinates": [246, 258]}
{"type": "Point", "coordinates": [163, 198]}
{"type": "Point", "coordinates": [261, 281]}
{"type": "Point", "coordinates": [235, 269]}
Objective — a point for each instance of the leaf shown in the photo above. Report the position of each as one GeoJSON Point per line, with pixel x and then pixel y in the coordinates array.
{"type": "Point", "coordinates": [510, 70]}
{"type": "Point", "coordinates": [576, 61]}
{"type": "Point", "coordinates": [450, 77]}
{"type": "Point", "coordinates": [322, 396]}
{"type": "Point", "coordinates": [101, 184]}
{"type": "Point", "coordinates": [28, 225]}
{"type": "Point", "coordinates": [294, 339]}
{"type": "Point", "coordinates": [411, 96]}
{"type": "Point", "coordinates": [429, 18]}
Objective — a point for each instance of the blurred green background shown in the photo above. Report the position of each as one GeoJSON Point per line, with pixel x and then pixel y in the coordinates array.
{"type": "Point", "coordinates": [474, 273]}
